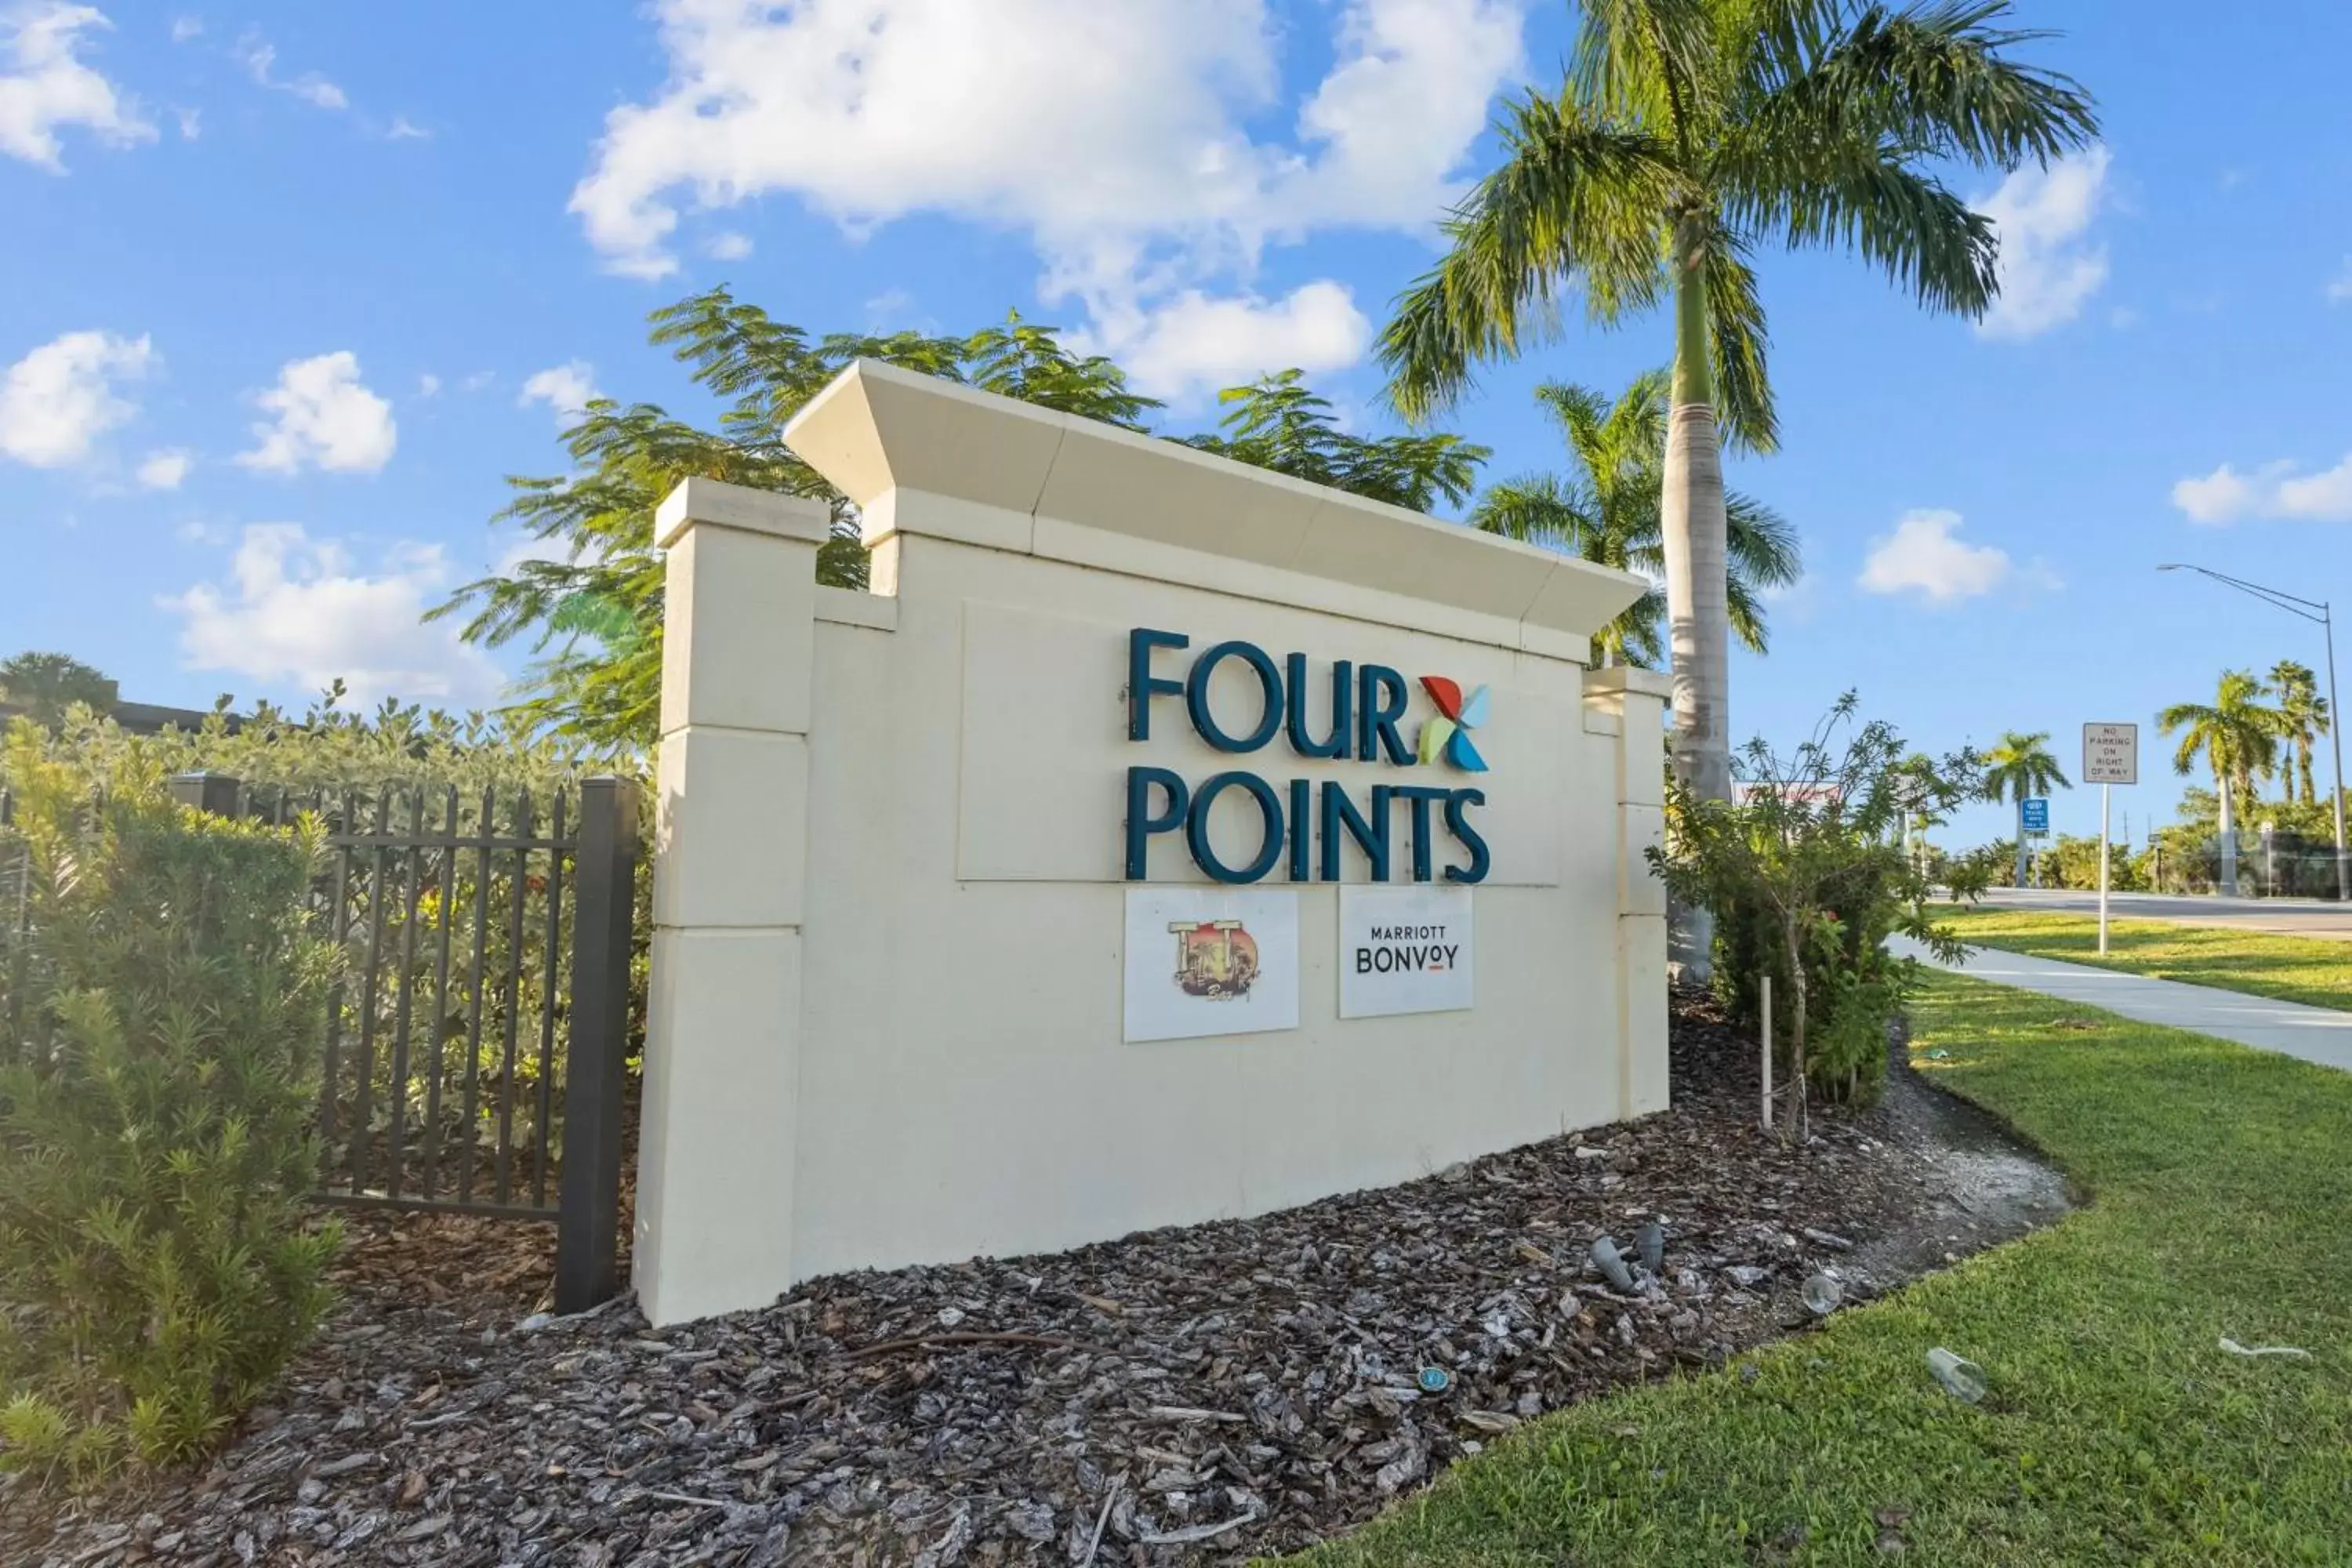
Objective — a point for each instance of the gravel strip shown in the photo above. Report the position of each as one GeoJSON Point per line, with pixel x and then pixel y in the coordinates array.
{"type": "Point", "coordinates": [1183, 1395]}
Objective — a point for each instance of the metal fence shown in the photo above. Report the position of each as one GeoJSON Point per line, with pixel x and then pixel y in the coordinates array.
{"type": "Point", "coordinates": [473, 1060]}
{"type": "Point", "coordinates": [2279, 865]}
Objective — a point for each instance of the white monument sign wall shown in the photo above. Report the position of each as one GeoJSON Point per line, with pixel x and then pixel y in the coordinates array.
{"type": "Point", "coordinates": [919, 850]}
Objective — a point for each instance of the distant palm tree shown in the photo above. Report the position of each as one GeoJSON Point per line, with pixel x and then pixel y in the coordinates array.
{"type": "Point", "coordinates": [2304, 714]}
{"type": "Point", "coordinates": [2239, 737]}
{"type": "Point", "coordinates": [1609, 511]}
{"type": "Point", "coordinates": [2019, 769]}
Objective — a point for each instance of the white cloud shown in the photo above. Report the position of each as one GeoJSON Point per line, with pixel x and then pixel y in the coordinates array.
{"type": "Point", "coordinates": [2273, 490]}
{"type": "Point", "coordinates": [2049, 265]}
{"type": "Point", "coordinates": [191, 122]}
{"type": "Point", "coordinates": [325, 417]}
{"type": "Point", "coordinates": [729, 246]}
{"type": "Point", "coordinates": [187, 27]}
{"type": "Point", "coordinates": [45, 85]}
{"type": "Point", "coordinates": [59, 398]}
{"type": "Point", "coordinates": [259, 59]}
{"type": "Point", "coordinates": [565, 388]}
{"type": "Point", "coordinates": [296, 612]}
{"type": "Point", "coordinates": [1194, 345]}
{"type": "Point", "coordinates": [1922, 555]}
{"type": "Point", "coordinates": [405, 130]}
{"type": "Point", "coordinates": [163, 469]}
{"type": "Point", "coordinates": [2339, 288]}
{"type": "Point", "coordinates": [429, 385]}
{"type": "Point", "coordinates": [1127, 141]}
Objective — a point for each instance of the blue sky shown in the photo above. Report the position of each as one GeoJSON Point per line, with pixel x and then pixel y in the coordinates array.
{"type": "Point", "coordinates": [288, 288]}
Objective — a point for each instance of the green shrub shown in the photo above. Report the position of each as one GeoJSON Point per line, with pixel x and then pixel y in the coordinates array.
{"type": "Point", "coordinates": [1807, 874]}
{"type": "Point", "coordinates": [158, 1262]}
{"type": "Point", "coordinates": [2074, 863]}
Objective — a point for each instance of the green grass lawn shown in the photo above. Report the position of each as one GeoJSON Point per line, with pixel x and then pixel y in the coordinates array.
{"type": "Point", "coordinates": [2290, 968]}
{"type": "Point", "coordinates": [2115, 1430]}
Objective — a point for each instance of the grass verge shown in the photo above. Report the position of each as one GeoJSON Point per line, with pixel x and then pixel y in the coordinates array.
{"type": "Point", "coordinates": [2115, 1430]}
{"type": "Point", "coordinates": [2288, 968]}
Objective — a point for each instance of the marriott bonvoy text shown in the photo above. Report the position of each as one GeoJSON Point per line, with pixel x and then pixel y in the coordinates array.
{"type": "Point", "coordinates": [1361, 709]}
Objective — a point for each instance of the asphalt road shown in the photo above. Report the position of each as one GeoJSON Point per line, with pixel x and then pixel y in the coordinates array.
{"type": "Point", "coordinates": [2285, 917]}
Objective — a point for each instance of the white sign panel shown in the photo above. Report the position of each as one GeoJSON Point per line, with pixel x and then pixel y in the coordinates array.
{"type": "Point", "coordinates": [2111, 753]}
{"type": "Point", "coordinates": [1404, 950]}
{"type": "Point", "coordinates": [1204, 961]}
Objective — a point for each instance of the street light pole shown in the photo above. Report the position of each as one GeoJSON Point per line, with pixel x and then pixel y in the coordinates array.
{"type": "Point", "coordinates": [2310, 610]}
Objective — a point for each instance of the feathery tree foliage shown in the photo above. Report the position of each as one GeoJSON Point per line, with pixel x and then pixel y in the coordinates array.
{"type": "Point", "coordinates": [592, 610]}
{"type": "Point", "coordinates": [1689, 135]}
{"type": "Point", "coordinates": [2303, 719]}
{"type": "Point", "coordinates": [2019, 769]}
{"type": "Point", "coordinates": [1277, 423]}
{"type": "Point", "coordinates": [46, 684]}
{"type": "Point", "coordinates": [591, 607]}
{"type": "Point", "coordinates": [1607, 509]}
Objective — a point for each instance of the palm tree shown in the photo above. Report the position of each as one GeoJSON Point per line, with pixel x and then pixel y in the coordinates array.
{"type": "Point", "coordinates": [2019, 769]}
{"type": "Point", "coordinates": [2302, 712]}
{"type": "Point", "coordinates": [1688, 134]}
{"type": "Point", "coordinates": [2239, 737]}
{"type": "Point", "coordinates": [1608, 512]}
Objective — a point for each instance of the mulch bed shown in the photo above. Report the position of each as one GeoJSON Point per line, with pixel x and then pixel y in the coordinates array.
{"type": "Point", "coordinates": [1182, 1395]}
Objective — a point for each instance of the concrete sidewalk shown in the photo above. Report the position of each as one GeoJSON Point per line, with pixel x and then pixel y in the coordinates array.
{"type": "Point", "coordinates": [2319, 1035]}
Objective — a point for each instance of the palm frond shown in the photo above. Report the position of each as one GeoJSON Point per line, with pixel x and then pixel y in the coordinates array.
{"type": "Point", "coordinates": [1540, 508]}
{"type": "Point", "coordinates": [1650, 62]}
{"type": "Point", "coordinates": [1937, 79]}
{"type": "Point", "coordinates": [1576, 202]}
{"type": "Point", "coordinates": [1738, 342]}
{"type": "Point", "coordinates": [1762, 546]}
{"type": "Point", "coordinates": [1746, 610]}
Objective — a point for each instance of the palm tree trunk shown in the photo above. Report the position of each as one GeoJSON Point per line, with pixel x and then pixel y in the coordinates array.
{"type": "Point", "coordinates": [2020, 839]}
{"type": "Point", "coordinates": [2228, 786]}
{"type": "Point", "coordinates": [1699, 612]}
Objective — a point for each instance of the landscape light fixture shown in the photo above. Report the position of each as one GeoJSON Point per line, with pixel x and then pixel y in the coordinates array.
{"type": "Point", "coordinates": [2310, 610]}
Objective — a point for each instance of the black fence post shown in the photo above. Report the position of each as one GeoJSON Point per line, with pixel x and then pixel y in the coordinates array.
{"type": "Point", "coordinates": [588, 1221]}
{"type": "Point", "coordinates": [214, 795]}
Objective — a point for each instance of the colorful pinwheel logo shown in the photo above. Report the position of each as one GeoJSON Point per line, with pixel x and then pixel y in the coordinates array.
{"type": "Point", "coordinates": [1448, 735]}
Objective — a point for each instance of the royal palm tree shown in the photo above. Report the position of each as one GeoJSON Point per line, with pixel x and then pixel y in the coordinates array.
{"type": "Point", "coordinates": [2304, 717]}
{"type": "Point", "coordinates": [2019, 769]}
{"type": "Point", "coordinates": [1690, 133]}
{"type": "Point", "coordinates": [2239, 737]}
{"type": "Point", "coordinates": [1608, 511]}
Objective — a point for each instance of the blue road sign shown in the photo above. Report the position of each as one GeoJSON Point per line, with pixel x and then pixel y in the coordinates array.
{"type": "Point", "coordinates": [2037, 815]}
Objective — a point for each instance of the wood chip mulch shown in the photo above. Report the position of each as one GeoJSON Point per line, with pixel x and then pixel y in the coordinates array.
{"type": "Point", "coordinates": [1183, 1395]}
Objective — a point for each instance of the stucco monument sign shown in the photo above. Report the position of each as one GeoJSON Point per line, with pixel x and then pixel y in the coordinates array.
{"type": "Point", "coordinates": [1160, 840]}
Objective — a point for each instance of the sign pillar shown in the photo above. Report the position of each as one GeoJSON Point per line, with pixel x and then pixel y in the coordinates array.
{"type": "Point", "coordinates": [720, 1116]}
{"type": "Point", "coordinates": [2110, 756]}
{"type": "Point", "coordinates": [2104, 853]}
